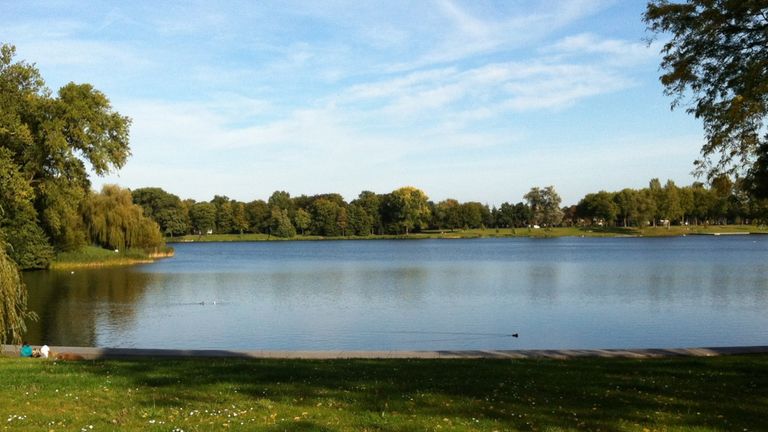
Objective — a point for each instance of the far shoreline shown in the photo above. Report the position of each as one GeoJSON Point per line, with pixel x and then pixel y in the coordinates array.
{"type": "Point", "coordinates": [557, 232]}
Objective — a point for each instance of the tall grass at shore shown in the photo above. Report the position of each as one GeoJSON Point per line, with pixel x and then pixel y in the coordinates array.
{"type": "Point", "coordinates": [94, 256]}
{"type": "Point", "coordinates": [675, 394]}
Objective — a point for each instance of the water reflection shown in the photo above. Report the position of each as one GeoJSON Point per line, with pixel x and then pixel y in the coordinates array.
{"type": "Point", "coordinates": [563, 293]}
{"type": "Point", "coordinates": [75, 306]}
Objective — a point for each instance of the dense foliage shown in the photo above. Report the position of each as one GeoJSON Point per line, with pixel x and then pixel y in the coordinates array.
{"type": "Point", "coordinates": [13, 307]}
{"type": "Point", "coordinates": [46, 140]}
{"type": "Point", "coordinates": [408, 209]}
{"type": "Point", "coordinates": [717, 58]}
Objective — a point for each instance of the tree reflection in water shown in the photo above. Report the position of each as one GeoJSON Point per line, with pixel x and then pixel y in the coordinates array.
{"type": "Point", "coordinates": [74, 305]}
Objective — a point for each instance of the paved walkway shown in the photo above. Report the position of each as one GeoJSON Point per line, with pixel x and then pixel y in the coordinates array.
{"type": "Point", "coordinates": [123, 353]}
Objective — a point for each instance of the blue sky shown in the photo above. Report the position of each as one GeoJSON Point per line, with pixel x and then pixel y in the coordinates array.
{"type": "Point", "coordinates": [474, 100]}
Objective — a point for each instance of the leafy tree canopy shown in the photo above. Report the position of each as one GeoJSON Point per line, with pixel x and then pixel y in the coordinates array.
{"type": "Point", "coordinates": [717, 58]}
{"type": "Point", "coordinates": [49, 139]}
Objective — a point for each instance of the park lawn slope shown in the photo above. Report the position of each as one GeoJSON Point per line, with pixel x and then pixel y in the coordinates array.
{"type": "Point", "coordinates": [671, 394]}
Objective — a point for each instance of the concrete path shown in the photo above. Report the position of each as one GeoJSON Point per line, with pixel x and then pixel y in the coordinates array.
{"type": "Point", "coordinates": [126, 353]}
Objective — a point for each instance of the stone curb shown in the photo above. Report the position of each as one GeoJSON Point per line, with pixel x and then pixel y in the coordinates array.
{"type": "Point", "coordinates": [89, 353]}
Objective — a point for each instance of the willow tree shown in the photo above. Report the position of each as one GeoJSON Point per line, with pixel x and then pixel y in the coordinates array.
{"type": "Point", "coordinates": [13, 307]}
{"type": "Point", "coordinates": [115, 222]}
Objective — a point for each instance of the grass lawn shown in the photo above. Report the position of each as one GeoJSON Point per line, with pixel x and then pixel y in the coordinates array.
{"type": "Point", "coordinates": [727, 393]}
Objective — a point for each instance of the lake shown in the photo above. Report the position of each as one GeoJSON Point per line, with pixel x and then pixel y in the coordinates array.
{"type": "Point", "coordinates": [418, 295]}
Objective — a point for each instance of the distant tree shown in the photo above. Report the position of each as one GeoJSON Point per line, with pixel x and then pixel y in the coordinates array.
{"type": "Point", "coordinates": [370, 202]}
{"type": "Point", "coordinates": [669, 204]}
{"type": "Point", "coordinates": [646, 207]}
{"type": "Point", "coordinates": [703, 202]}
{"type": "Point", "coordinates": [303, 220]}
{"type": "Point", "coordinates": [686, 203]}
{"type": "Point", "coordinates": [115, 222]}
{"type": "Point", "coordinates": [13, 300]}
{"type": "Point", "coordinates": [282, 200]}
{"type": "Point", "coordinates": [239, 218]}
{"type": "Point", "coordinates": [598, 207]}
{"type": "Point", "coordinates": [722, 188]}
{"type": "Point", "coordinates": [406, 209]}
{"type": "Point", "coordinates": [545, 206]}
{"type": "Point", "coordinates": [202, 217]}
{"type": "Point", "coordinates": [656, 193]}
{"type": "Point", "coordinates": [472, 214]}
{"type": "Point", "coordinates": [223, 214]}
{"type": "Point", "coordinates": [717, 57]}
{"type": "Point", "coordinates": [164, 208]}
{"type": "Point", "coordinates": [360, 222]}
{"type": "Point", "coordinates": [325, 217]}
{"type": "Point", "coordinates": [281, 225]}
{"type": "Point", "coordinates": [259, 215]}
{"type": "Point", "coordinates": [627, 206]}
{"type": "Point", "coordinates": [448, 214]}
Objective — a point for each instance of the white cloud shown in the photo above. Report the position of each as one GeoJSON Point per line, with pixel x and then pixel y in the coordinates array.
{"type": "Point", "coordinates": [615, 52]}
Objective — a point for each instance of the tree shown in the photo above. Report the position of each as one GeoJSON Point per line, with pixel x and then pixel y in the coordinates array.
{"type": "Point", "coordinates": [28, 245]}
{"type": "Point", "coordinates": [472, 214]}
{"type": "Point", "coordinates": [51, 138]}
{"type": "Point", "coordinates": [115, 222]}
{"type": "Point", "coordinates": [281, 225]}
{"type": "Point", "coordinates": [671, 208]}
{"type": "Point", "coordinates": [718, 57]}
{"type": "Point", "coordinates": [360, 222]}
{"type": "Point", "coordinates": [544, 205]}
{"type": "Point", "coordinates": [239, 217]}
{"type": "Point", "coordinates": [448, 214]}
{"type": "Point", "coordinates": [13, 300]}
{"type": "Point", "coordinates": [627, 206]}
{"type": "Point", "coordinates": [370, 202]}
{"type": "Point", "coordinates": [283, 201]}
{"type": "Point", "coordinates": [756, 180]}
{"type": "Point", "coordinates": [223, 214]}
{"type": "Point", "coordinates": [202, 217]}
{"type": "Point", "coordinates": [599, 207]}
{"type": "Point", "coordinates": [406, 209]}
{"type": "Point", "coordinates": [325, 217]}
{"type": "Point", "coordinates": [513, 215]}
{"type": "Point", "coordinates": [303, 220]}
{"type": "Point", "coordinates": [258, 214]}
{"type": "Point", "coordinates": [164, 208]}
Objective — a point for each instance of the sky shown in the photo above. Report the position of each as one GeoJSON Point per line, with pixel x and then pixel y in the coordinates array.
{"type": "Point", "coordinates": [474, 100]}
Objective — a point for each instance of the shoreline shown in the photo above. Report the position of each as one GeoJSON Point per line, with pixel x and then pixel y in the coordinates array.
{"type": "Point", "coordinates": [94, 353]}
{"type": "Point", "coordinates": [557, 232]}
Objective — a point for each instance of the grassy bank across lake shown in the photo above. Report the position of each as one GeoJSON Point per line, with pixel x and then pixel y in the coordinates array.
{"type": "Point", "coordinates": [93, 256]}
{"type": "Point", "coordinates": [672, 394]}
{"type": "Point", "coordinates": [500, 232]}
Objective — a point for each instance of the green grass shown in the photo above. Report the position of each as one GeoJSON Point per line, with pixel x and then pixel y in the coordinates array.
{"type": "Point", "coordinates": [501, 232]}
{"type": "Point", "coordinates": [91, 256]}
{"type": "Point", "coordinates": [675, 394]}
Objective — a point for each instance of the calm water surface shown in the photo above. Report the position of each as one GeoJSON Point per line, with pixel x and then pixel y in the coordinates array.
{"type": "Point", "coordinates": [425, 294]}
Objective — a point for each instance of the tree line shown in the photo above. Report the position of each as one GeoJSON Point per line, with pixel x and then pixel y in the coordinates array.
{"type": "Point", "coordinates": [408, 209]}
